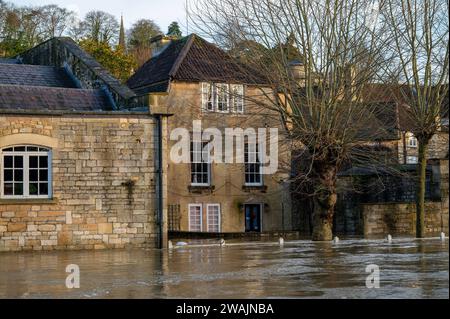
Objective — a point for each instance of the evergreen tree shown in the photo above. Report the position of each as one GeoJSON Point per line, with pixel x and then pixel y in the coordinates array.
{"type": "Point", "coordinates": [174, 30]}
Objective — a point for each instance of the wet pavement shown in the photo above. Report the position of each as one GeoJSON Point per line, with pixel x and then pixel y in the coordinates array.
{"type": "Point", "coordinates": [301, 269]}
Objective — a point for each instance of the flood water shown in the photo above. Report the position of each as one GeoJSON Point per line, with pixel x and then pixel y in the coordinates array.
{"type": "Point", "coordinates": [301, 269]}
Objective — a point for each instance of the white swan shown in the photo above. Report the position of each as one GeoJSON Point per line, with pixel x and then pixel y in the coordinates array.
{"type": "Point", "coordinates": [181, 243]}
{"type": "Point", "coordinates": [389, 238]}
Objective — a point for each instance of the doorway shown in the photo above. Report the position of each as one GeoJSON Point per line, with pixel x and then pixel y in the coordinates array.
{"type": "Point", "coordinates": [252, 218]}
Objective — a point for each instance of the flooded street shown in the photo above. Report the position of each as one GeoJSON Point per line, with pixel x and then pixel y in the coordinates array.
{"type": "Point", "coordinates": [301, 269]}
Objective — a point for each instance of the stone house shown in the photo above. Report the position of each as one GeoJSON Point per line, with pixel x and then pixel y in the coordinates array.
{"type": "Point", "coordinates": [374, 202]}
{"type": "Point", "coordinates": [77, 155]}
{"type": "Point", "coordinates": [385, 202]}
{"type": "Point", "coordinates": [192, 79]}
{"type": "Point", "coordinates": [406, 146]}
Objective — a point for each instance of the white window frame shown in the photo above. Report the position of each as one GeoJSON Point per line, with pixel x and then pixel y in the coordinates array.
{"type": "Point", "coordinates": [222, 91]}
{"type": "Point", "coordinates": [412, 141]}
{"type": "Point", "coordinates": [26, 171]}
{"type": "Point", "coordinates": [261, 183]}
{"type": "Point", "coordinates": [237, 98]}
{"type": "Point", "coordinates": [414, 161]}
{"type": "Point", "coordinates": [207, 98]}
{"type": "Point", "coordinates": [208, 206]}
{"type": "Point", "coordinates": [201, 217]}
{"type": "Point", "coordinates": [202, 161]}
{"type": "Point", "coordinates": [234, 94]}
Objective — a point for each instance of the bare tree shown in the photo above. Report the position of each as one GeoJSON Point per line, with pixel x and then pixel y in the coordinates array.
{"type": "Point", "coordinates": [338, 49]}
{"type": "Point", "coordinates": [55, 20]}
{"type": "Point", "coordinates": [139, 39]}
{"type": "Point", "coordinates": [101, 26]}
{"type": "Point", "coordinates": [419, 31]}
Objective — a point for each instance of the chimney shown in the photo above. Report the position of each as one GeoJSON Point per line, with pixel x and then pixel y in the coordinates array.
{"type": "Point", "coordinates": [297, 71]}
{"type": "Point", "coordinates": [159, 43]}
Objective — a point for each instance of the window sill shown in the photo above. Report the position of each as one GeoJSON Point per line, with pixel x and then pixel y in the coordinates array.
{"type": "Point", "coordinates": [198, 189]}
{"type": "Point", "coordinates": [248, 188]}
{"type": "Point", "coordinates": [28, 201]}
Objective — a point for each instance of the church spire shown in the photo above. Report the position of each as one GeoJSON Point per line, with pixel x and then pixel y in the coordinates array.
{"type": "Point", "coordinates": [122, 34]}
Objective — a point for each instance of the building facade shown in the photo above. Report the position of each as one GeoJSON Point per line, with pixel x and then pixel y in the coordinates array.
{"type": "Point", "coordinates": [77, 155]}
{"type": "Point", "coordinates": [194, 80]}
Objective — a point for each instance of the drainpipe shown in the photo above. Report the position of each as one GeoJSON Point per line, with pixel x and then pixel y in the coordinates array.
{"type": "Point", "coordinates": [160, 116]}
{"type": "Point", "coordinates": [159, 184]}
{"type": "Point", "coordinates": [404, 147]}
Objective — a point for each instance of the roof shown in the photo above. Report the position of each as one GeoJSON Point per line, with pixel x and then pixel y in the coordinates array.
{"type": "Point", "coordinates": [38, 98]}
{"type": "Point", "coordinates": [89, 74]}
{"type": "Point", "coordinates": [191, 59]}
{"type": "Point", "coordinates": [57, 76]}
{"type": "Point", "coordinates": [35, 75]}
{"type": "Point", "coordinates": [384, 121]}
{"type": "Point", "coordinates": [94, 66]}
{"type": "Point", "coordinates": [397, 93]}
{"type": "Point", "coordinates": [38, 88]}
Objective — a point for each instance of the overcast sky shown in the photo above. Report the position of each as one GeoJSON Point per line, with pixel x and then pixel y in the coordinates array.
{"type": "Point", "coordinates": [161, 11]}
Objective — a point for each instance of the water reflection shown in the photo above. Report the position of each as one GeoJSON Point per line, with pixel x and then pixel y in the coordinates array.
{"type": "Point", "coordinates": [409, 269]}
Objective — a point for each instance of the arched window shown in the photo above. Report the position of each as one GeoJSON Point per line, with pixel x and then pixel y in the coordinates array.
{"type": "Point", "coordinates": [25, 172]}
{"type": "Point", "coordinates": [412, 140]}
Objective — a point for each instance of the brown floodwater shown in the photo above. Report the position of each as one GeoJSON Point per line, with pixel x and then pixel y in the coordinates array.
{"type": "Point", "coordinates": [301, 269]}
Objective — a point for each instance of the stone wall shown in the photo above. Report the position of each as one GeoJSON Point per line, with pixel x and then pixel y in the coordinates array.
{"type": "Point", "coordinates": [400, 219]}
{"type": "Point", "coordinates": [103, 184]}
{"type": "Point", "coordinates": [380, 219]}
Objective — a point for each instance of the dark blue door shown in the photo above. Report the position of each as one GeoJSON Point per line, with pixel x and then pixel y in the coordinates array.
{"type": "Point", "coordinates": [253, 218]}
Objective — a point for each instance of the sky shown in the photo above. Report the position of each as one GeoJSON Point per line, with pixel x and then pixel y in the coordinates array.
{"type": "Point", "coordinates": [163, 12]}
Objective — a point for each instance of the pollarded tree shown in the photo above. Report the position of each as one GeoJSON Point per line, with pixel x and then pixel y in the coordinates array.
{"type": "Point", "coordinates": [319, 96]}
{"type": "Point", "coordinates": [419, 30]}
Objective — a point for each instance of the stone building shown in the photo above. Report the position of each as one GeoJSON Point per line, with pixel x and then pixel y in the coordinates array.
{"type": "Point", "coordinates": [194, 80]}
{"type": "Point", "coordinates": [376, 201]}
{"type": "Point", "coordinates": [77, 155]}
{"type": "Point", "coordinates": [406, 145]}
{"type": "Point", "coordinates": [385, 202]}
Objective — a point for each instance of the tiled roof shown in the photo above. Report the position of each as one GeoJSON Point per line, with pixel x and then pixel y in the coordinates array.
{"type": "Point", "coordinates": [42, 99]}
{"type": "Point", "coordinates": [96, 68]}
{"type": "Point", "coordinates": [34, 75]}
{"type": "Point", "coordinates": [384, 121]}
{"type": "Point", "coordinates": [157, 69]}
{"type": "Point", "coordinates": [399, 94]}
{"type": "Point", "coordinates": [191, 59]}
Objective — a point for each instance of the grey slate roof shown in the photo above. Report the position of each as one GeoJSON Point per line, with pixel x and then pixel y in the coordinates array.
{"type": "Point", "coordinates": [57, 76]}
{"type": "Point", "coordinates": [47, 99]}
{"type": "Point", "coordinates": [34, 75]}
{"type": "Point", "coordinates": [96, 67]}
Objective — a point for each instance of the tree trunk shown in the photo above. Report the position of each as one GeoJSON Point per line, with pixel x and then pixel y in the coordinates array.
{"type": "Point", "coordinates": [324, 203]}
{"type": "Point", "coordinates": [421, 188]}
